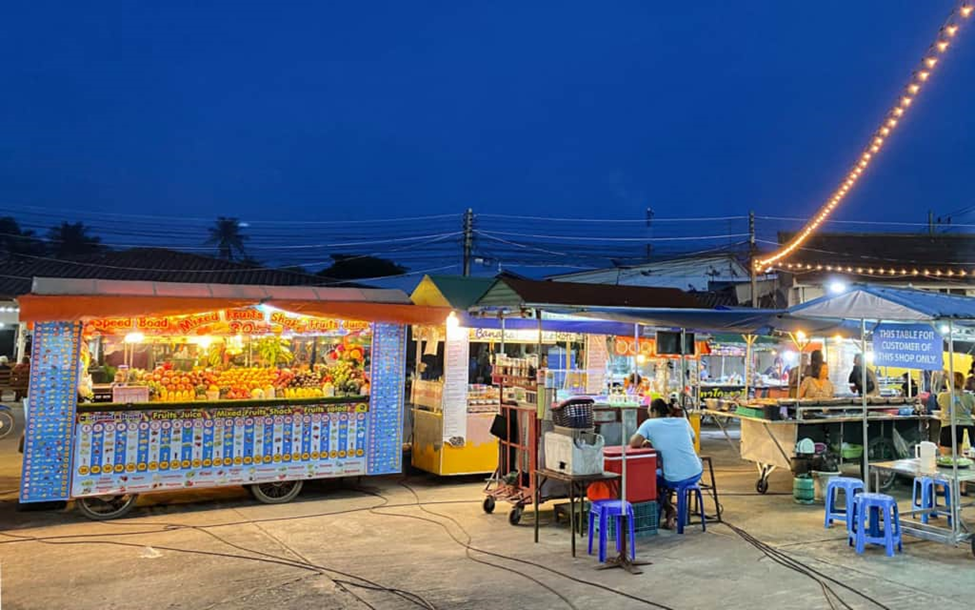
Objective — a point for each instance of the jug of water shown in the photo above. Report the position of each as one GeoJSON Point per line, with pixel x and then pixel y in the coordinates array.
{"type": "Point", "coordinates": [927, 454]}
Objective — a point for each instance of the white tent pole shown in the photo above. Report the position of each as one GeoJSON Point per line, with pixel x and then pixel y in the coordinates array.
{"type": "Point", "coordinates": [863, 399]}
{"type": "Point", "coordinates": [955, 495]}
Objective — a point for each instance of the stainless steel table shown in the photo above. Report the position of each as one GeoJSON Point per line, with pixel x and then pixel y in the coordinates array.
{"type": "Point", "coordinates": [956, 533]}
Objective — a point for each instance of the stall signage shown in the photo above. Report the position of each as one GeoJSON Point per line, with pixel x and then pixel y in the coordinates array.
{"type": "Point", "coordinates": [247, 320]}
{"type": "Point", "coordinates": [909, 346]}
{"type": "Point", "coordinates": [521, 335]}
{"type": "Point", "coordinates": [597, 356]}
{"type": "Point", "coordinates": [456, 366]}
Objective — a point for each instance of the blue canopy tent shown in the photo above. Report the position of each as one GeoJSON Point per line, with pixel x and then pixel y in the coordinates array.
{"type": "Point", "coordinates": [945, 313]}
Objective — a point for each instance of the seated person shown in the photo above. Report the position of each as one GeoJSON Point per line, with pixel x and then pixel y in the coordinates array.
{"type": "Point", "coordinates": [817, 384]}
{"type": "Point", "coordinates": [677, 462]}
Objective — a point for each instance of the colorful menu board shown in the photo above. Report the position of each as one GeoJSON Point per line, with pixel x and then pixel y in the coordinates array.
{"type": "Point", "coordinates": [388, 386]}
{"type": "Point", "coordinates": [159, 449]}
{"type": "Point", "coordinates": [53, 394]}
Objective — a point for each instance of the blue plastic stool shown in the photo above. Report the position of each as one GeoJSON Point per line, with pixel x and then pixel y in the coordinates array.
{"type": "Point", "coordinates": [927, 489]}
{"type": "Point", "coordinates": [872, 510]}
{"type": "Point", "coordinates": [850, 487]}
{"type": "Point", "coordinates": [604, 510]}
{"type": "Point", "coordinates": [684, 494]}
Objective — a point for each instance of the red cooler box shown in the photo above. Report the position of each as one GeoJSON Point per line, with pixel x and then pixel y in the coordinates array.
{"type": "Point", "coordinates": [641, 471]}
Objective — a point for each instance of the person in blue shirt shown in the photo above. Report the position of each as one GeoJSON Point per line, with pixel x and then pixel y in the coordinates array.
{"type": "Point", "coordinates": [677, 462]}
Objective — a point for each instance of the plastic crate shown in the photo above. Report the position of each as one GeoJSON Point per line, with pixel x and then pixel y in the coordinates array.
{"type": "Point", "coordinates": [646, 520]}
{"type": "Point", "coordinates": [750, 412]}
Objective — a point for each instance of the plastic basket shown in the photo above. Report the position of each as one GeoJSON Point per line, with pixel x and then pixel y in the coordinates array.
{"type": "Point", "coordinates": [573, 413]}
{"type": "Point", "coordinates": [646, 517]}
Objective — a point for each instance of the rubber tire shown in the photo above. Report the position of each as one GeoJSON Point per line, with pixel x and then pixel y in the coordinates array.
{"type": "Point", "coordinates": [288, 496]}
{"type": "Point", "coordinates": [973, 545]}
{"type": "Point", "coordinates": [88, 511]}
{"type": "Point", "coordinates": [514, 517]}
{"type": "Point", "coordinates": [488, 505]}
{"type": "Point", "coordinates": [6, 423]}
{"type": "Point", "coordinates": [761, 486]}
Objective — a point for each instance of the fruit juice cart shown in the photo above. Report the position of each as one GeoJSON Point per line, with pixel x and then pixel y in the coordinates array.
{"type": "Point", "coordinates": [212, 385]}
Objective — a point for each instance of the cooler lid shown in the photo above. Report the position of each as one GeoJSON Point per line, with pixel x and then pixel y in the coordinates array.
{"type": "Point", "coordinates": [615, 451]}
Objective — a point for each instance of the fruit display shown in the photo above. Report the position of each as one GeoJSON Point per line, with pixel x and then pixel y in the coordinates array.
{"type": "Point", "coordinates": [343, 375]}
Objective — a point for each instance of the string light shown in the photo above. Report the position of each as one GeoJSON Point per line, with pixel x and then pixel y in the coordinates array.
{"type": "Point", "coordinates": [892, 271]}
{"type": "Point", "coordinates": [904, 101]}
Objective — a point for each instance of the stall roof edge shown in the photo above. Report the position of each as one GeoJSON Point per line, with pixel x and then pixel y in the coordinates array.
{"type": "Point", "coordinates": [100, 287]}
{"type": "Point", "coordinates": [872, 302]}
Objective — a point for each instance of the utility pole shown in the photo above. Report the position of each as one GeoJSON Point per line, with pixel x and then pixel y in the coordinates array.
{"type": "Point", "coordinates": [931, 223]}
{"type": "Point", "coordinates": [649, 233]}
{"type": "Point", "coordinates": [468, 240]}
{"type": "Point", "coordinates": [753, 251]}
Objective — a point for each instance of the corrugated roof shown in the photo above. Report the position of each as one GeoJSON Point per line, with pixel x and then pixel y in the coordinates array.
{"type": "Point", "coordinates": [150, 265]}
{"type": "Point", "coordinates": [517, 292]}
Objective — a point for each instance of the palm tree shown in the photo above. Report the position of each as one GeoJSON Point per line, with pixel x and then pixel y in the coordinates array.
{"type": "Point", "coordinates": [72, 239]}
{"type": "Point", "coordinates": [16, 242]}
{"type": "Point", "coordinates": [226, 235]}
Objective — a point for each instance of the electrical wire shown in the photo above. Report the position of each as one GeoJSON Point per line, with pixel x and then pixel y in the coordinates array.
{"type": "Point", "coordinates": [794, 564]}
{"type": "Point", "coordinates": [644, 221]}
{"type": "Point", "coordinates": [526, 561]}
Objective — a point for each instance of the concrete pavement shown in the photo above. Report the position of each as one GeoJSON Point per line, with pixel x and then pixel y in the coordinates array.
{"type": "Point", "coordinates": [220, 550]}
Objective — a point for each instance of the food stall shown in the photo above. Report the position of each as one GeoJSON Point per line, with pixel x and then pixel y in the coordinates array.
{"type": "Point", "coordinates": [740, 363]}
{"type": "Point", "coordinates": [210, 386]}
{"type": "Point", "coordinates": [452, 412]}
{"type": "Point", "coordinates": [911, 329]}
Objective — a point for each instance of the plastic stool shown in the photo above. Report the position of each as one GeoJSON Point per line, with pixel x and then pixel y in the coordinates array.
{"type": "Point", "coordinates": [850, 487]}
{"type": "Point", "coordinates": [684, 494]}
{"type": "Point", "coordinates": [927, 489]}
{"type": "Point", "coordinates": [871, 510]}
{"type": "Point", "coordinates": [604, 509]}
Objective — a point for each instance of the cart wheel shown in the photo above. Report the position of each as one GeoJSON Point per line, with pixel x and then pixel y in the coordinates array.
{"type": "Point", "coordinates": [103, 508]}
{"type": "Point", "coordinates": [488, 505]}
{"type": "Point", "coordinates": [6, 422]}
{"type": "Point", "coordinates": [887, 480]}
{"type": "Point", "coordinates": [762, 485]}
{"type": "Point", "coordinates": [973, 545]}
{"type": "Point", "coordinates": [514, 517]}
{"type": "Point", "coordinates": [278, 492]}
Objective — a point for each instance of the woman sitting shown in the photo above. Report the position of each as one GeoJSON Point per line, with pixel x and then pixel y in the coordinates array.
{"type": "Point", "coordinates": [678, 464]}
{"type": "Point", "coordinates": [817, 384]}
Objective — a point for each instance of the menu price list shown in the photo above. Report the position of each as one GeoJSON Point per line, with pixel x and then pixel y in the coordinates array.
{"type": "Point", "coordinates": [140, 451]}
{"type": "Point", "coordinates": [385, 452]}
{"type": "Point", "coordinates": [52, 400]}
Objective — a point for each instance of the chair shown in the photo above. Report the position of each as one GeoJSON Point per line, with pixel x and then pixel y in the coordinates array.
{"type": "Point", "coordinates": [684, 494]}
{"type": "Point", "coordinates": [871, 511]}
{"type": "Point", "coordinates": [604, 510]}
{"type": "Point", "coordinates": [850, 488]}
{"type": "Point", "coordinates": [925, 497]}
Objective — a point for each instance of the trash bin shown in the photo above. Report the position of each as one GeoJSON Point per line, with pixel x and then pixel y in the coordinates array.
{"type": "Point", "coordinates": [822, 480]}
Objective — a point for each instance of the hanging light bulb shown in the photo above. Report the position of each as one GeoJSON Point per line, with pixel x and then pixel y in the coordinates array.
{"type": "Point", "coordinates": [966, 10]}
{"type": "Point", "coordinates": [942, 45]}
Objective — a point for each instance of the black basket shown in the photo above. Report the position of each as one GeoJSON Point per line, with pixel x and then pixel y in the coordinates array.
{"type": "Point", "coordinates": [573, 413]}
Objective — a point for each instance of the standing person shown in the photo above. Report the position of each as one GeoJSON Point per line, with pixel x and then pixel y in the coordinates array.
{"type": "Point", "coordinates": [856, 378]}
{"type": "Point", "coordinates": [964, 405]}
{"type": "Point", "coordinates": [677, 462]}
{"type": "Point", "coordinates": [817, 384]}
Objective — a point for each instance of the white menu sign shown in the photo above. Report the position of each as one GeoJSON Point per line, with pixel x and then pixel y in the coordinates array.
{"type": "Point", "coordinates": [456, 366]}
{"type": "Point", "coordinates": [596, 357]}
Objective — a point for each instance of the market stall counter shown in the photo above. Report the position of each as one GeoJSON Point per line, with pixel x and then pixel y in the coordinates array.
{"type": "Point", "coordinates": [771, 430]}
{"type": "Point", "coordinates": [210, 391]}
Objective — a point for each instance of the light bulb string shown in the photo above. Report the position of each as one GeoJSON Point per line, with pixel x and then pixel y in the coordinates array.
{"type": "Point", "coordinates": [920, 75]}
